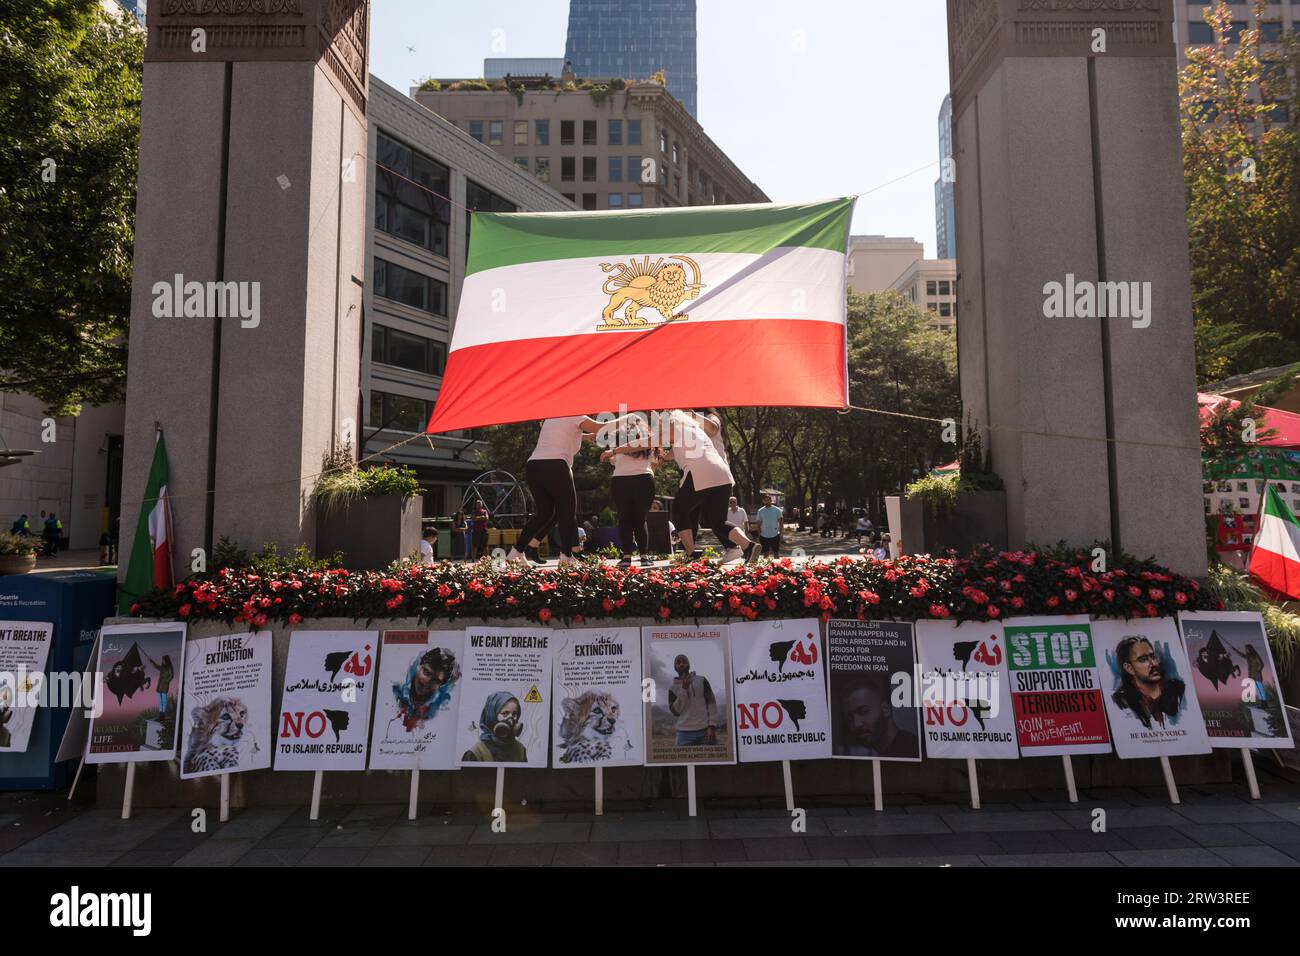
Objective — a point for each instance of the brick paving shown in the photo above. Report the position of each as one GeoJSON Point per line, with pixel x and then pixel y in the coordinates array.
{"type": "Point", "coordinates": [1215, 826]}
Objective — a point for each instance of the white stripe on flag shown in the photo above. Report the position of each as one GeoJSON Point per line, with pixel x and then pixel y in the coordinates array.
{"type": "Point", "coordinates": [792, 282]}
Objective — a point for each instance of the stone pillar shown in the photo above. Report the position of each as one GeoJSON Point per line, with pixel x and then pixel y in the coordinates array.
{"type": "Point", "coordinates": [252, 170]}
{"type": "Point", "coordinates": [1068, 162]}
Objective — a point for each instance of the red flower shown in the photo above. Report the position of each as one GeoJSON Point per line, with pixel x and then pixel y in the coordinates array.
{"type": "Point", "coordinates": [607, 605]}
{"type": "Point", "coordinates": [393, 602]}
{"type": "Point", "coordinates": [1134, 590]}
{"type": "Point", "coordinates": [1156, 594]}
{"type": "Point", "coordinates": [665, 613]}
{"type": "Point", "coordinates": [1071, 594]}
{"type": "Point", "coordinates": [135, 608]}
{"type": "Point", "coordinates": [1053, 601]}
{"type": "Point", "coordinates": [938, 610]}
{"type": "Point", "coordinates": [1180, 597]}
{"type": "Point", "coordinates": [260, 620]}
{"type": "Point", "coordinates": [184, 610]}
{"type": "Point", "coordinates": [993, 611]}
{"type": "Point", "coordinates": [1108, 593]}
{"type": "Point", "coordinates": [295, 618]}
{"type": "Point", "coordinates": [443, 591]}
{"type": "Point", "coordinates": [544, 615]}
{"type": "Point", "coordinates": [1017, 603]}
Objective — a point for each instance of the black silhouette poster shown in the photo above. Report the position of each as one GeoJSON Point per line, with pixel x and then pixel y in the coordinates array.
{"type": "Point", "coordinates": [140, 678]}
{"type": "Point", "coordinates": [779, 676]}
{"type": "Point", "coordinates": [965, 695]}
{"type": "Point", "coordinates": [325, 712]}
{"type": "Point", "coordinates": [1235, 679]}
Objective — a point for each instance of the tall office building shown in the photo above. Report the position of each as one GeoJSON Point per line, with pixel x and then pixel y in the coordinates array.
{"type": "Point", "coordinates": [945, 211]}
{"type": "Point", "coordinates": [633, 39]}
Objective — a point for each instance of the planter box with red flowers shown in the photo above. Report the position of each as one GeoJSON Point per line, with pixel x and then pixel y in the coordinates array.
{"type": "Point", "coordinates": [983, 585]}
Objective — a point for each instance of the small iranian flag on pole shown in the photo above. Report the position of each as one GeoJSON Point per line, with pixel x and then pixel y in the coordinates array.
{"type": "Point", "coordinates": [582, 312]}
{"type": "Point", "coordinates": [1275, 560]}
{"type": "Point", "coordinates": [151, 550]}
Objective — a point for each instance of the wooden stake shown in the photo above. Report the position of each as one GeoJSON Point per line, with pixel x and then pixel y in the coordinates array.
{"type": "Point", "coordinates": [225, 798]}
{"type": "Point", "coordinates": [415, 795]}
{"type": "Point", "coordinates": [974, 783]}
{"type": "Point", "coordinates": [876, 786]}
{"type": "Point", "coordinates": [1251, 779]}
{"type": "Point", "coordinates": [1169, 781]}
{"type": "Point", "coordinates": [128, 792]}
{"type": "Point", "coordinates": [81, 765]}
{"type": "Point", "coordinates": [600, 791]}
{"type": "Point", "coordinates": [1069, 778]}
{"type": "Point", "coordinates": [789, 786]}
{"type": "Point", "coordinates": [314, 812]}
{"type": "Point", "coordinates": [690, 789]}
{"type": "Point", "coordinates": [501, 787]}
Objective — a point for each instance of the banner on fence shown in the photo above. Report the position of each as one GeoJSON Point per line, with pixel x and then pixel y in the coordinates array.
{"type": "Point", "coordinates": [24, 648]}
{"type": "Point", "coordinates": [416, 701]}
{"type": "Point", "coordinates": [1056, 689]}
{"type": "Point", "coordinates": [139, 685]}
{"type": "Point", "coordinates": [325, 712]}
{"type": "Point", "coordinates": [780, 689]}
{"type": "Point", "coordinates": [227, 712]}
{"type": "Point", "coordinates": [688, 716]}
{"type": "Point", "coordinates": [872, 670]}
{"type": "Point", "coordinates": [505, 711]}
{"type": "Point", "coordinates": [965, 694]}
{"type": "Point", "coordinates": [596, 696]}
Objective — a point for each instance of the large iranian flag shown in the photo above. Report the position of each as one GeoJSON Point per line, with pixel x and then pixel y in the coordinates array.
{"type": "Point", "coordinates": [151, 549]}
{"type": "Point", "coordinates": [1275, 560]}
{"type": "Point", "coordinates": [582, 312]}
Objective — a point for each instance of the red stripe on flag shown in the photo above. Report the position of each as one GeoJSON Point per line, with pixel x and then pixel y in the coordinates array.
{"type": "Point", "coordinates": [748, 362]}
{"type": "Point", "coordinates": [1276, 573]}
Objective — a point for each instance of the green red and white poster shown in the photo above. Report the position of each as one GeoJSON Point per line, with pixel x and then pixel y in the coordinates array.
{"type": "Point", "coordinates": [1235, 679]}
{"type": "Point", "coordinates": [779, 676]}
{"type": "Point", "coordinates": [1056, 689]}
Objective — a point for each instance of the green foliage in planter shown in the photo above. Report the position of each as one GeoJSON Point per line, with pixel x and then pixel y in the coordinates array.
{"type": "Point", "coordinates": [1239, 593]}
{"type": "Point", "coordinates": [518, 89]}
{"type": "Point", "coordinates": [469, 85]}
{"type": "Point", "coordinates": [607, 519]}
{"type": "Point", "coordinates": [20, 544]}
{"type": "Point", "coordinates": [336, 489]}
{"type": "Point", "coordinates": [269, 562]}
{"type": "Point", "coordinates": [599, 93]}
{"type": "Point", "coordinates": [938, 492]}
{"type": "Point", "coordinates": [430, 85]}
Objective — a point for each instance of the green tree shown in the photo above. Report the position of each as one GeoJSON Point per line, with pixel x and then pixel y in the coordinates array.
{"type": "Point", "coordinates": [1241, 155]}
{"type": "Point", "coordinates": [69, 134]}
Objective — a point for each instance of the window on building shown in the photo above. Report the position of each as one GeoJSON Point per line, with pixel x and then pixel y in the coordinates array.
{"type": "Point", "coordinates": [663, 143]}
{"type": "Point", "coordinates": [931, 287]}
{"type": "Point", "coordinates": [945, 287]}
{"type": "Point", "coordinates": [614, 200]}
{"type": "Point", "coordinates": [398, 412]}
{"type": "Point", "coordinates": [476, 129]}
{"type": "Point", "coordinates": [411, 288]}
{"type": "Point", "coordinates": [945, 309]}
{"type": "Point", "coordinates": [674, 152]}
{"type": "Point", "coordinates": [677, 185]}
{"type": "Point", "coordinates": [390, 346]}
{"type": "Point", "coordinates": [567, 166]}
{"type": "Point", "coordinates": [521, 132]}
{"type": "Point", "coordinates": [588, 200]}
{"type": "Point", "coordinates": [616, 169]}
{"type": "Point", "coordinates": [481, 199]}
{"type": "Point", "coordinates": [522, 162]}
{"type": "Point", "coordinates": [589, 169]}
{"type": "Point", "coordinates": [572, 197]}
{"type": "Point", "coordinates": [633, 199]}
{"type": "Point", "coordinates": [566, 132]}
{"type": "Point", "coordinates": [634, 132]}
{"type": "Point", "coordinates": [496, 132]}
{"type": "Point", "coordinates": [403, 209]}
{"type": "Point", "coordinates": [588, 132]}
{"type": "Point", "coordinates": [932, 306]}
{"type": "Point", "coordinates": [542, 132]}
{"type": "Point", "coordinates": [616, 132]}
{"type": "Point", "coordinates": [542, 168]}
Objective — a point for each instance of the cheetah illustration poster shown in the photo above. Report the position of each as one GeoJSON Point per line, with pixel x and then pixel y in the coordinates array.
{"type": "Point", "coordinates": [596, 698]}
{"type": "Point", "coordinates": [505, 706]}
{"type": "Point", "coordinates": [1055, 687]}
{"type": "Point", "coordinates": [779, 676]}
{"type": "Point", "coordinates": [325, 712]}
{"type": "Point", "coordinates": [1235, 679]}
{"type": "Point", "coordinates": [965, 695]}
{"type": "Point", "coordinates": [688, 718]}
{"type": "Point", "coordinates": [226, 721]}
{"type": "Point", "coordinates": [871, 672]}
{"type": "Point", "coordinates": [1152, 711]}
{"type": "Point", "coordinates": [24, 647]}
{"type": "Point", "coordinates": [138, 679]}
{"type": "Point", "coordinates": [416, 701]}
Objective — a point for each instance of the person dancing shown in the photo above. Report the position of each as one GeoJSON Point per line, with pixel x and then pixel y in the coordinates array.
{"type": "Point", "coordinates": [633, 489]}
{"type": "Point", "coordinates": [549, 474]}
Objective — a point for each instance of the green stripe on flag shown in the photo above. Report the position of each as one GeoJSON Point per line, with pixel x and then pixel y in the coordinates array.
{"type": "Point", "coordinates": [507, 239]}
{"type": "Point", "coordinates": [1274, 505]}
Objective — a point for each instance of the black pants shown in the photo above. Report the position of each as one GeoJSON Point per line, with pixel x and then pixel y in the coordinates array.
{"type": "Point", "coordinates": [708, 507]}
{"type": "Point", "coordinates": [632, 496]}
{"type": "Point", "coordinates": [551, 482]}
{"type": "Point", "coordinates": [771, 546]}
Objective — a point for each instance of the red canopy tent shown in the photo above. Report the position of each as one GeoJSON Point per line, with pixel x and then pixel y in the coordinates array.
{"type": "Point", "coordinates": [1286, 424]}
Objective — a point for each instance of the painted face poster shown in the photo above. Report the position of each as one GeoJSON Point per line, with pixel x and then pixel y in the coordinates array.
{"type": "Point", "coordinates": [596, 698]}
{"type": "Point", "coordinates": [505, 711]}
{"type": "Point", "coordinates": [1235, 679]}
{"type": "Point", "coordinates": [24, 647]}
{"type": "Point", "coordinates": [325, 711]}
{"type": "Point", "coordinates": [965, 694]}
{"type": "Point", "coordinates": [139, 685]}
{"type": "Point", "coordinates": [871, 666]}
{"type": "Point", "coordinates": [227, 713]}
{"type": "Point", "coordinates": [688, 719]}
{"type": "Point", "coordinates": [1056, 689]}
{"type": "Point", "coordinates": [416, 703]}
{"type": "Point", "coordinates": [1152, 711]}
{"type": "Point", "coordinates": [779, 676]}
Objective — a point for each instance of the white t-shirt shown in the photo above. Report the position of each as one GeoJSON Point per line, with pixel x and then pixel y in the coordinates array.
{"type": "Point", "coordinates": [629, 465]}
{"type": "Point", "coordinates": [696, 454]}
{"type": "Point", "coordinates": [737, 517]}
{"type": "Point", "coordinates": [560, 438]}
{"type": "Point", "coordinates": [426, 550]}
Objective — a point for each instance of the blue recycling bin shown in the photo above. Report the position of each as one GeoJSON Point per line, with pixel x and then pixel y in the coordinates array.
{"type": "Point", "coordinates": [76, 603]}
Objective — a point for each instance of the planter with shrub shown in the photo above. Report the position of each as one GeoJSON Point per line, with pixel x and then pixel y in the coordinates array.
{"type": "Point", "coordinates": [17, 553]}
{"type": "Point", "coordinates": [371, 516]}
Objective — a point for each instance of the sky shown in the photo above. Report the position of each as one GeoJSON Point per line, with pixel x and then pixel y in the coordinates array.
{"type": "Point", "coordinates": [812, 99]}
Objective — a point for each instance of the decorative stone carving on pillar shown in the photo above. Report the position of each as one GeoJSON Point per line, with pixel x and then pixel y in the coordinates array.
{"type": "Point", "coordinates": [253, 172]}
{"type": "Point", "coordinates": [1069, 170]}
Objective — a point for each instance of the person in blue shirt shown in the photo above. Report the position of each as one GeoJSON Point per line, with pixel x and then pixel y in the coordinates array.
{"type": "Point", "coordinates": [769, 527]}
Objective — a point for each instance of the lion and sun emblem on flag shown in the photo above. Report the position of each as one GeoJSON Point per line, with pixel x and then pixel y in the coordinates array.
{"type": "Point", "coordinates": [661, 287]}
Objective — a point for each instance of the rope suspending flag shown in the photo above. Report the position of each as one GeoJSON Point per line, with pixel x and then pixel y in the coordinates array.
{"type": "Point", "coordinates": [581, 312]}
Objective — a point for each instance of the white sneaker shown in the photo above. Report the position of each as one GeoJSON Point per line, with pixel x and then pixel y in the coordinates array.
{"type": "Point", "coordinates": [516, 557]}
{"type": "Point", "coordinates": [732, 554]}
{"type": "Point", "coordinates": [566, 560]}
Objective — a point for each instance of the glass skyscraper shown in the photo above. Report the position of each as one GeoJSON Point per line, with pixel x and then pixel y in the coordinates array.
{"type": "Point", "coordinates": [634, 38]}
{"type": "Point", "coordinates": [945, 208]}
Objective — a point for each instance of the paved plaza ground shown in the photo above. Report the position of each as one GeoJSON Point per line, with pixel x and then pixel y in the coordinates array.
{"type": "Point", "coordinates": [1215, 826]}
